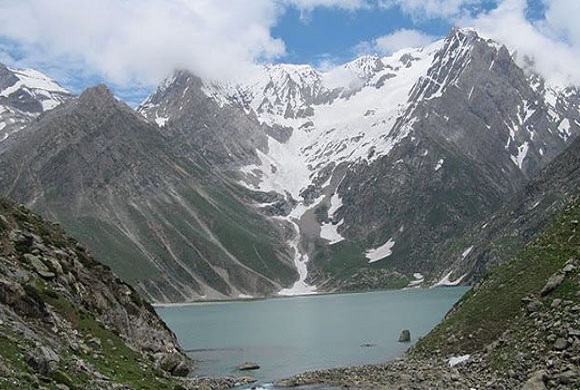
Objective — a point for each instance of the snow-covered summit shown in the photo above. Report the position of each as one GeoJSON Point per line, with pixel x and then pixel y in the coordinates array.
{"type": "Point", "coordinates": [18, 82]}
{"type": "Point", "coordinates": [24, 94]}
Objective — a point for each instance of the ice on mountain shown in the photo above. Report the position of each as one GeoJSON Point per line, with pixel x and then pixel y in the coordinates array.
{"type": "Point", "coordinates": [447, 282]}
{"type": "Point", "coordinates": [329, 232]}
{"type": "Point", "coordinates": [564, 129]}
{"type": "Point", "coordinates": [335, 204]}
{"type": "Point", "coordinates": [522, 153]}
{"type": "Point", "coordinates": [385, 250]}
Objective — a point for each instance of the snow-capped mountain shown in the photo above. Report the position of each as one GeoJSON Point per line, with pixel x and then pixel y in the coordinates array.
{"type": "Point", "coordinates": [297, 180]}
{"type": "Point", "coordinates": [24, 94]}
{"type": "Point", "coordinates": [383, 157]}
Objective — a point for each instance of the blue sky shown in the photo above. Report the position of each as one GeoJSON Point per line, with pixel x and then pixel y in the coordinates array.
{"type": "Point", "coordinates": [131, 45]}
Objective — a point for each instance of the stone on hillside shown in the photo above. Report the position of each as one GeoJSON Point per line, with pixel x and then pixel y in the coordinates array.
{"type": "Point", "coordinates": [43, 360]}
{"type": "Point", "coordinates": [39, 266]}
{"type": "Point", "coordinates": [405, 336]}
{"type": "Point", "coordinates": [4, 370]}
{"type": "Point", "coordinates": [568, 269]}
{"type": "Point", "coordinates": [536, 381]}
{"type": "Point", "coordinates": [561, 344]}
{"type": "Point", "coordinates": [181, 370]}
{"type": "Point", "coordinates": [534, 306]}
{"type": "Point", "coordinates": [567, 377]}
{"type": "Point", "coordinates": [554, 281]}
{"type": "Point", "coordinates": [174, 363]}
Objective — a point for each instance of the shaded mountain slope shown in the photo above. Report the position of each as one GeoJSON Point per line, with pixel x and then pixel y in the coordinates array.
{"type": "Point", "coordinates": [502, 234]}
{"type": "Point", "coordinates": [163, 222]}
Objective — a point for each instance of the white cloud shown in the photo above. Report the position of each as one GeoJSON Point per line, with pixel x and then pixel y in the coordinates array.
{"type": "Point", "coordinates": [138, 42]}
{"type": "Point", "coordinates": [309, 5]}
{"type": "Point", "coordinates": [400, 39]}
{"type": "Point", "coordinates": [144, 40]}
{"type": "Point", "coordinates": [562, 17]}
{"type": "Point", "coordinates": [429, 9]}
{"type": "Point", "coordinates": [556, 60]}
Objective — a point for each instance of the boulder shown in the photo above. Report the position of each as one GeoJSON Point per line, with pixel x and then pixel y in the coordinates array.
{"type": "Point", "coordinates": [39, 266]}
{"type": "Point", "coordinates": [534, 306]}
{"type": "Point", "coordinates": [248, 366]}
{"type": "Point", "coordinates": [181, 370]}
{"type": "Point", "coordinates": [174, 363]}
{"type": "Point", "coordinates": [536, 381]}
{"type": "Point", "coordinates": [554, 281]}
{"type": "Point", "coordinates": [405, 336]}
{"type": "Point", "coordinates": [561, 344]}
{"type": "Point", "coordinates": [43, 360]}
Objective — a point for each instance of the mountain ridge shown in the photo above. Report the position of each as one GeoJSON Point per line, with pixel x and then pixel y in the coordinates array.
{"type": "Point", "coordinates": [343, 186]}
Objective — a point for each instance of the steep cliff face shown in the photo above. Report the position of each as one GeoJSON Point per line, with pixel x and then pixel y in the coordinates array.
{"type": "Point", "coordinates": [162, 219]}
{"type": "Point", "coordinates": [66, 319]}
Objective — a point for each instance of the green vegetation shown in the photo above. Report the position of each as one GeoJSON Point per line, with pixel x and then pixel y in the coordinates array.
{"type": "Point", "coordinates": [111, 246]}
{"type": "Point", "coordinates": [486, 312]}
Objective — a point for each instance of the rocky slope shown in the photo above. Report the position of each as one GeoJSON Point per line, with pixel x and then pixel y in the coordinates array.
{"type": "Point", "coordinates": [376, 162]}
{"type": "Point", "coordinates": [503, 233]}
{"type": "Point", "coordinates": [68, 322]}
{"type": "Point", "coordinates": [162, 218]}
{"type": "Point", "coordinates": [25, 94]}
{"type": "Point", "coordinates": [518, 328]}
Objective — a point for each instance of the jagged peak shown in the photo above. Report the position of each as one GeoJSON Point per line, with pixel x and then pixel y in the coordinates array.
{"type": "Point", "coordinates": [282, 74]}
{"type": "Point", "coordinates": [100, 99]}
{"type": "Point", "coordinates": [99, 93]}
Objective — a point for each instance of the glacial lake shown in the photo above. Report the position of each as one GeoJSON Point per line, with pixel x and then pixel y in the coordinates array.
{"type": "Point", "coordinates": [286, 336]}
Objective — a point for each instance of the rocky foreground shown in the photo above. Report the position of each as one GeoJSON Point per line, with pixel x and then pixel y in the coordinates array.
{"type": "Point", "coordinates": [67, 322]}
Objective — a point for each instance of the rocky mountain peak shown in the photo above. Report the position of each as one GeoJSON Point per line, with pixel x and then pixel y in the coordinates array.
{"type": "Point", "coordinates": [366, 66]}
{"type": "Point", "coordinates": [97, 98]}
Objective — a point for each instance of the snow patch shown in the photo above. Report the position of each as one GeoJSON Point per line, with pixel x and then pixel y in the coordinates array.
{"type": "Point", "coordinates": [466, 252]}
{"type": "Point", "coordinates": [446, 281]}
{"type": "Point", "coordinates": [419, 279]}
{"type": "Point", "coordinates": [522, 153]}
{"type": "Point", "coordinates": [439, 164]}
{"type": "Point", "coordinates": [329, 231]}
{"type": "Point", "coordinates": [458, 360]}
{"type": "Point", "coordinates": [385, 250]}
{"type": "Point", "coordinates": [244, 296]}
{"type": "Point", "coordinates": [335, 204]}
{"type": "Point", "coordinates": [300, 287]}
{"type": "Point", "coordinates": [161, 120]}
{"type": "Point", "coordinates": [564, 129]}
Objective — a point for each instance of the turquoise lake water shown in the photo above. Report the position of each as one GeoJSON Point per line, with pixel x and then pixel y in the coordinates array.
{"type": "Point", "coordinates": [286, 336]}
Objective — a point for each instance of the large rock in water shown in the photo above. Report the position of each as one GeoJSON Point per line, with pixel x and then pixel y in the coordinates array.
{"type": "Point", "coordinates": [405, 336]}
{"type": "Point", "coordinates": [248, 366]}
